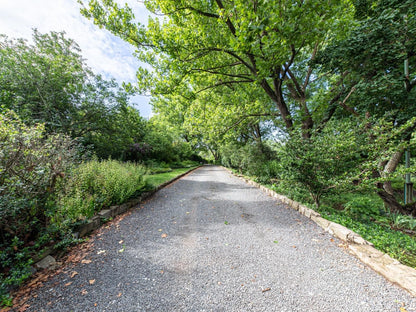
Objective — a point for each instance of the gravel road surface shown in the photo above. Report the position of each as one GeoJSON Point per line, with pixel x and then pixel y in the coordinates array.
{"type": "Point", "coordinates": [210, 242]}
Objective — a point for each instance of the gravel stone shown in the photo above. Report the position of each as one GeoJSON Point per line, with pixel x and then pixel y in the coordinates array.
{"type": "Point", "coordinates": [210, 242]}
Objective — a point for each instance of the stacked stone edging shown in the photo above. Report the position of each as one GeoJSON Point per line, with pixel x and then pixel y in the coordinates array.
{"type": "Point", "coordinates": [380, 262]}
{"type": "Point", "coordinates": [102, 217]}
{"type": "Point", "coordinates": [105, 214]}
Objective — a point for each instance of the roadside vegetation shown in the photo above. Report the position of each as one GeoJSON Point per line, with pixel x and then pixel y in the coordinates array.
{"type": "Point", "coordinates": [71, 144]}
{"type": "Point", "coordinates": [313, 99]}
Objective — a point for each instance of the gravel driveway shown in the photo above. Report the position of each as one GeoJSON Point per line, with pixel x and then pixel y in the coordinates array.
{"type": "Point", "coordinates": [210, 242]}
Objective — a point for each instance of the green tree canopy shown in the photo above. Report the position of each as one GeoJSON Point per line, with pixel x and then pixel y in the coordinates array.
{"type": "Point", "coordinates": [381, 95]}
{"type": "Point", "coordinates": [197, 46]}
{"type": "Point", "coordinates": [48, 82]}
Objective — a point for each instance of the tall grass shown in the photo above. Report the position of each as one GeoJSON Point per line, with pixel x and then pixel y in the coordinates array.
{"type": "Point", "coordinates": [97, 184]}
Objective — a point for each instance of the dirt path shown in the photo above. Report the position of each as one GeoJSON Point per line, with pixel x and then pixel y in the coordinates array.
{"type": "Point", "coordinates": [209, 242]}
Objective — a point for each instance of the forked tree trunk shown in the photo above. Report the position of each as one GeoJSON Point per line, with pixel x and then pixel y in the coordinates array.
{"type": "Point", "coordinates": [385, 190]}
{"type": "Point", "coordinates": [394, 205]}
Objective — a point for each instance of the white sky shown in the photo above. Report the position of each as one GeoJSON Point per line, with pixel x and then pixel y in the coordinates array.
{"type": "Point", "coordinates": [104, 53]}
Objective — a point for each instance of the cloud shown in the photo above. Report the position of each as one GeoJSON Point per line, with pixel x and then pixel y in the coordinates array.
{"type": "Point", "coordinates": [104, 53]}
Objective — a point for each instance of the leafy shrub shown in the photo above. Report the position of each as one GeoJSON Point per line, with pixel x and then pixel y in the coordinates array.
{"type": "Point", "coordinates": [319, 163]}
{"type": "Point", "coordinates": [97, 184]}
{"type": "Point", "coordinates": [292, 191]}
{"type": "Point", "coordinates": [362, 207]}
{"type": "Point", "coordinates": [184, 164]}
{"type": "Point", "coordinates": [31, 166]}
{"type": "Point", "coordinates": [400, 221]}
{"type": "Point", "coordinates": [250, 159]}
{"type": "Point", "coordinates": [138, 151]}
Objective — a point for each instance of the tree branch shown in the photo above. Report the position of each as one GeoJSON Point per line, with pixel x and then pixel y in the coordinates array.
{"type": "Point", "coordinates": [244, 117]}
{"type": "Point", "coordinates": [308, 75]}
{"type": "Point", "coordinates": [222, 74]}
{"type": "Point", "coordinates": [299, 90]}
{"type": "Point", "coordinates": [409, 84]}
{"type": "Point", "coordinates": [346, 107]}
{"type": "Point", "coordinates": [227, 21]}
{"type": "Point", "coordinates": [233, 54]}
{"type": "Point", "coordinates": [222, 83]}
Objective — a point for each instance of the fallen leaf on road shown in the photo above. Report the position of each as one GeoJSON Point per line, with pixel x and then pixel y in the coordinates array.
{"type": "Point", "coordinates": [266, 289]}
{"type": "Point", "coordinates": [74, 274]}
{"type": "Point", "coordinates": [100, 252]}
{"type": "Point", "coordinates": [86, 261]}
{"type": "Point", "coordinates": [276, 242]}
{"type": "Point", "coordinates": [23, 308]}
{"type": "Point", "coordinates": [67, 284]}
{"type": "Point", "coordinates": [403, 309]}
{"type": "Point", "coordinates": [226, 222]}
{"type": "Point", "coordinates": [84, 292]}
{"type": "Point", "coordinates": [164, 235]}
{"type": "Point", "coordinates": [119, 295]}
{"type": "Point", "coordinates": [92, 282]}
{"type": "Point", "coordinates": [121, 242]}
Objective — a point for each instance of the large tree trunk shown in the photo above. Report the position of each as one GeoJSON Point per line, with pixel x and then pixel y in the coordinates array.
{"type": "Point", "coordinates": [394, 205]}
{"type": "Point", "coordinates": [385, 189]}
{"type": "Point", "coordinates": [277, 97]}
{"type": "Point", "coordinates": [389, 168]}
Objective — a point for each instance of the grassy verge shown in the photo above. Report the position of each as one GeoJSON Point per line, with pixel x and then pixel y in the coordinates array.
{"type": "Point", "coordinates": [154, 180]}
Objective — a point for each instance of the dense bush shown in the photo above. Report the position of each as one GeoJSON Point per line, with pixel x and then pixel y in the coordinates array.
{"type": "Point", "coordinates": [254, 159]}
{"type": "Point", "coordinates": [44, 190]}
{"type": "Point", "coordinates": [321, 162]}
{"type": "Point", "coordinates": [97, 184]}
{"type": "Point", "coordinates": [31, 166]}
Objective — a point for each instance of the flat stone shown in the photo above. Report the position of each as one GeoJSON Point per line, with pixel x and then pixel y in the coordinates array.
{"type": "Point", "coordinates": [295, 205]}
{"type": "Point", "coordinates": [115, 210]}
{"type": "Point", "coordinates": [105, 214]}
{"type": "Point", "coordinates": [339, 231]}
{"type": "Point", "coordinates": [390, 268]}
{"type": "Point", "coordinates": [123, 208]}
{"type": "Point", "coordinates": [92, 224]}
{"type": "Point", "coordinates": [357, 239]}
{"type": "Point", "coordinates": [323, 223]}
{"type": "Point", "coordinates": [135, 201]}
{"type": "Point", "coordinates": [46, 262]}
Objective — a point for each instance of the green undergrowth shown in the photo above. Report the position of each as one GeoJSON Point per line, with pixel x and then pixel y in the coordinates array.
{"type": "Point", "coordinates": [154, 180]}
{"type": "Point", "coordinates": [365, 214]}
{"type": "Point", "coordinates": [87, 189]}
{"type": "Point", "coordinates": [95, 185]}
